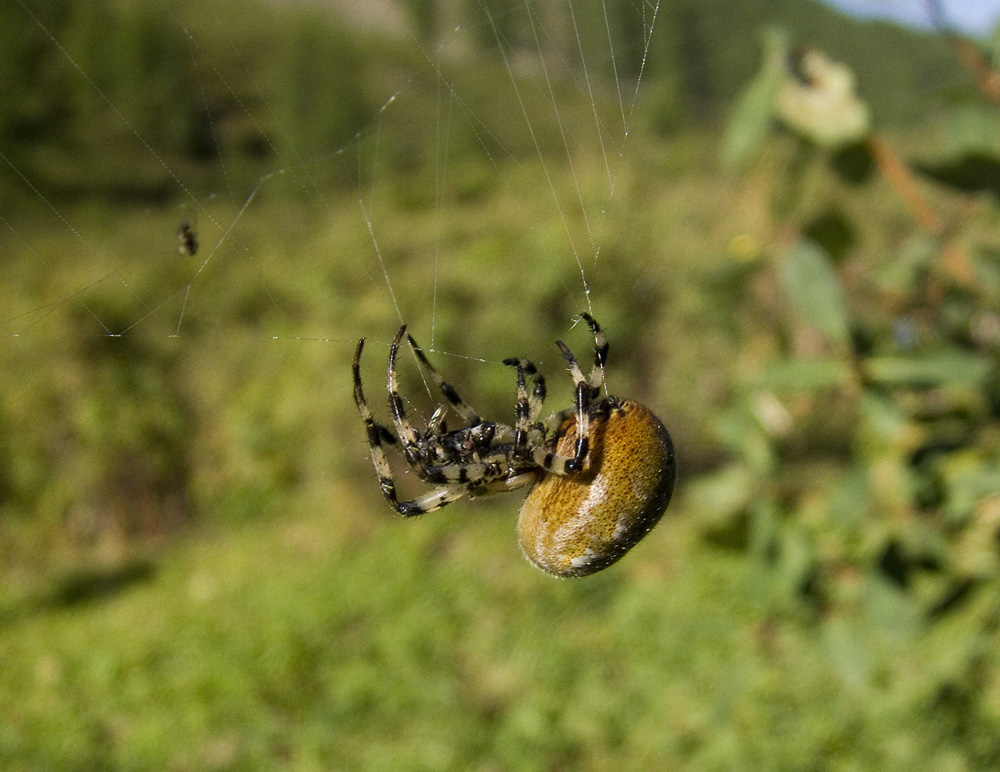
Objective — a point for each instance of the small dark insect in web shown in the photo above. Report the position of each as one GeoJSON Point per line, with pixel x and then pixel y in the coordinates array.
{"type": "Point", "coordinates": [187, 239]}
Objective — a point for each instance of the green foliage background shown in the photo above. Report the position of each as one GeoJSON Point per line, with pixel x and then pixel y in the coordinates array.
{"type": "Point", "coordinates": [196, 568]}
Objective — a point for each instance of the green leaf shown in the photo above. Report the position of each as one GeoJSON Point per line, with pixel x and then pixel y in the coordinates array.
{"type": "Point", "coordinates": [948, 366]}
{"type": "Point", "coordinates": [750, 121]}
{"type": "Point", "coordinates": [853, 163]}
{"type": "Point", "coordinates": [986, 264]}
{"type": "Point", "coordinates": [812, 286]}
{"type": "Point", "coordinates": [975, 172]}
{"type": "Point", "coordinates": [847, 649]}
{"type": "Point", "coordinates": [790, 187]}
{"type": "Point", "coordinates": [968, 478]}
{"type": "Point", "coordinates": [721, 495]}
{"type": "Point", "coordinates": [970, 127]}
{"type": "Point", "coordinates": [905, 273]}
{"type": "Point", "coordinates": [764, 528]}
{"type": "Point", "coordinates": [833, 232]}
{"type": "Point", "coordinates": [796, 557]}
{"type": "Point", "coordinates": [850, 499]}
{"type": "Point", "coordinates": [884, 427]}
{"type": "Point", "coordinates": [740, 431]}
{"type": "Point", "coordinates": [888, 608]}
{"type": "Point", "coordinates": [805, 375]}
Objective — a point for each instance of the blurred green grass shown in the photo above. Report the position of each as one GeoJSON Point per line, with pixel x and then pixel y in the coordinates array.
{"type": "Point", "coordinates": [342, 640]}
{"type": "Point", "coordinates": [197, 570]}
{"type": "Point", "coordinates": [293, 623]}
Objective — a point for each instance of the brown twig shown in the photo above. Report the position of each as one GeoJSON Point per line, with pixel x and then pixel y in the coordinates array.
{"type": "Point", "coordinates": [985, 76]}
{"type": "Point", "coordinates": [987, 79]}
{"type": "Point", "coordinates": [901, 180]}
{"type": "Point", "coordinates": [898, 175]}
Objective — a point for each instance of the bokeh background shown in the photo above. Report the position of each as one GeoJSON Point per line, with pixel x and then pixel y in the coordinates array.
{"type": "Point", "coordinates": [785, 218]}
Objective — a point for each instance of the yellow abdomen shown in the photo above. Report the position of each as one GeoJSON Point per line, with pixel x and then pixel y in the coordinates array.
{"type": "Point", "coordinates": [578, 524]}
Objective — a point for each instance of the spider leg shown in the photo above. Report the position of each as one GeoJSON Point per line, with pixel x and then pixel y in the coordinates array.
{"type": "Point", "coordinates": [596, 378]}
{"type": "Point", "coordinates": [435, 424]}
{"type": "Point", "coordinates": [377, 435]}
{"type": "Point", "coordinates": [429, 502]}
{"type": "Point", "coordinates": [537, 397]}
{"type": "Point", "coordinates": [386, 433]}
{"type": "Point", "coordinates": [464, 474]}
{"type": "Point", "coordinates": [583, 392]}
{"type": "Point", "coordinates": [469, 415]}
{"type": "Point", "coordinates": [407, 434]}
{"type": "Point", "coordinates": [510, 483]}
{"type": "Point", "coordinates": [522, 410]}
{"type": "Point", "coordinates": [555, 421]}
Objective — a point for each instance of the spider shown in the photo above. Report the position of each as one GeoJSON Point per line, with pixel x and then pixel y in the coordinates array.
{"type": "Point", "coordinates": [602, 470]}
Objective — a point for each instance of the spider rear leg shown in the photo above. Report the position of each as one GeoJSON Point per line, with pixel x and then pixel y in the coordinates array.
{"type": "Point", "coordinates": [430, 502]}
{"type": "Point", "coordinates": [447, 494]}
{"type": "Point", "coordinates": [468, 414]}
{"type": "Point", "coordinates": [455, 481]}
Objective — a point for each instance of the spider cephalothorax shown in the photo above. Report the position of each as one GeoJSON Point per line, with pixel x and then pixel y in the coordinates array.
{"type": "Point", "coordinates": [603, 470]}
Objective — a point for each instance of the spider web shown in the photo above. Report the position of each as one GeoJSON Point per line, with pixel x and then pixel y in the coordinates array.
{"type": "Point", "coordinates": [547, 140]}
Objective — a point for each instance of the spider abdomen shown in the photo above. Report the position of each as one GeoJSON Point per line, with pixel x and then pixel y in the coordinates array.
{"type": "Point", "coordinates": [577, 524]}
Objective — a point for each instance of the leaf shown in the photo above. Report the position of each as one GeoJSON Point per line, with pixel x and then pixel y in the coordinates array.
{"type": "Point", "coordinates": [885, 432]}
{"type": "Point", "coordinates": [812, 286]}
{"type": "Point", "coordinates": [722, 495]}
{"type": "Point", "coordinates": [847, 650]}
{"type": "Point", "coordinates": [805, 375]}
{"type": "Point", "coordinates": [986, 264]}
{"type": "Point", "coordinates": [905, 272]}
{"type": "Point", "coordinates": [764, 528]}
{"type": "Point", "coordinates": [750, 121]}
{"type": "Point", "coordinates": [888, 608]}
{"type": "Point", "coordinates": [947, 366]}
{"type": "Point", "coordinates": [970, 126]}
{"type": "Point", "coordinates": [974, 172]}
{"type": "Point", "coordinates": [850, 499]}
{"type": "Point", "coordinates": [969, 478]}
{"type": "Point", "coordinates": [832, 231]}
{"type": "Point", "coordinates": [741, 432]}
{"type": "Point", "coordinates": [853, 163]}
{"type": "Point", "coordinates": [789, 190]}
{"type": "Point", "coordinates": [796, 557]}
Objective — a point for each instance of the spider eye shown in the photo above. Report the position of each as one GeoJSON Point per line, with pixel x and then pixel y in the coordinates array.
{"type": "Point", "coordinates": [486, 433]}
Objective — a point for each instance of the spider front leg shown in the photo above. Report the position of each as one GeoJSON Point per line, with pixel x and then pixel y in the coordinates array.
{"type": "Point", "coordinates": [535, 401]}
{"type": "Point", "coordinates": [527, 409]}
{"type": "Point", "coordinates": [468, 414]}
{"type": "Point", "coordinates": [583, 391]}
{"type": "Point", "coordinates": [586, 389]}
{"type": "Point", "coordinates": [596, 378]}
{"type": "Point", "coordinates": [377, 435]}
